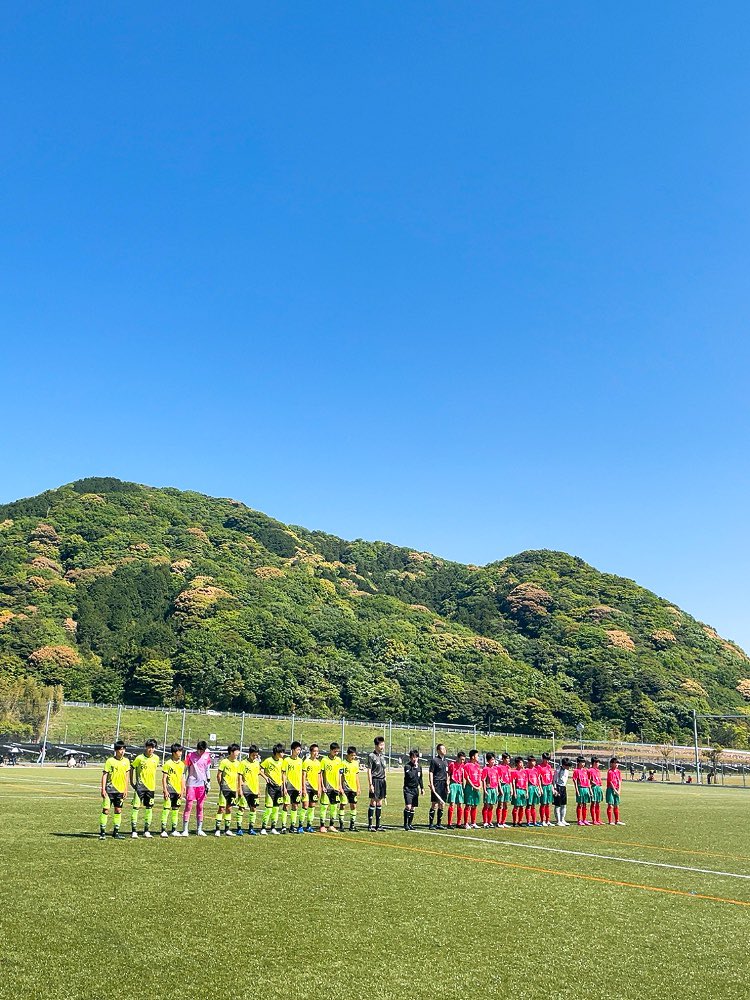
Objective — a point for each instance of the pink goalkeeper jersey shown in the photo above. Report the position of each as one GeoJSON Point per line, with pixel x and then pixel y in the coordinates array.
{"type": "Point", "coordinates": [456, 772]}
{"type": "Point", "coordinates": [503, 771]}
{"type": "Point", "coordinates": [595, 775]}
{"type": "Point", "coordinates": [198, 767]}
{"type": "Point", "coordinates": [473, 772]}
{"type": "Point", "coordinates": [490, 776]}
{"type": "Point", "coordinates": [581, 777]}
{"type": "Point", "coordinates": [614, 778]}
{"type": "Point", "coordinates": [520, 778]}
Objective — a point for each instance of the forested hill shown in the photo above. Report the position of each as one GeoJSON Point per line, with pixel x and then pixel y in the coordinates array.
{"type": "Point", "coordinates": [157, 596]}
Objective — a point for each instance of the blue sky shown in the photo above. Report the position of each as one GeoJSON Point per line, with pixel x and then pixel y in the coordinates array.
{"type": "Point", "coordinates": [467, 277]}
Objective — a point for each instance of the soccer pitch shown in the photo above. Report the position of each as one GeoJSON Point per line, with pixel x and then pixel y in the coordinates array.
{"type": "Point", "coordinates": [655, 910]}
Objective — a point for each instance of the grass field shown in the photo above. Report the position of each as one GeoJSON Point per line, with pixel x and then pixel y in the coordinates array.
{"type": "Point", "coordinates": [658, 908]}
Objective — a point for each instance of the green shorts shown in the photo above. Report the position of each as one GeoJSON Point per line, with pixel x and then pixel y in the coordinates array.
{"type": "Point", "coordinates": [548, 796]}
{"type": "Point", "coordinates": [596, 793]}
{"type": "Point", "coordinates": [506, 793]}
{"type": "Point", "coordinates": [521, 798]}
{"type": "Point", "coordinates": [613, 797]}
{"type": "Point", "coordinates": [491, 796]}
{"type": "Point", "coordinates": [583, 796]}
{"type": "Point", "coordinates": [456, 794]}
{"type": "Point", "coordinates": [534, 795]}
{"type": "Point", "coordinates": [472, 795]}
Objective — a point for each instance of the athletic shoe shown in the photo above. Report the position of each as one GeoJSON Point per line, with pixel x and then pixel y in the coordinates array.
{"type": "Point", "coordinates": [176, 833]}
{"type": "Point", "coordinates": [324, 829]}
{"type": "Point", "coordinates": [201, 833]}
{"type": "Point", "coordinates": [102, 835]}
{"type": "Point", "coordinates": [134, 834]}
{"type": "Point", "coordinates": [283, 829]}
{"type": "Point", "coordinates": [300, 829]}
{"type": "Point", "coordinates": [561, 824]}
{"type": "Point", "coordinates": [117, 835]}
{"type": "Point", "coordinates": [229, 833]}
{"type": "Point", "coordinates": [252, 832]}
{"type": "Point", "coordinates": [537, 824]}
{"type": "Point", "coordinates": [332, 829]}
{"type": "Point", "coordinates": [439, 826]}
{"type": "Point", "coordinates": [485, 826]}
{"type": "Point", "coordinates": [240, 832]}
{"type": "Point", "coordinates": [586, 822]}
{"type": "Point", "coordinates": [310, 829]}
{"type": "Point", "coordinates": [184, 833]}
{"type": "Point", "coordinates": [217, 833]}
{"type": "Point", "coordinates": [352, 829]}
{"type": "Point", "coordinates": [371, 829]}
{"type": "Point", "coordinates": [147, 834]}
{"type": "Point", "coordinates": [379, 829]}
{"type": "Point", "coordinates": [475, 826]}
{"type": "Point", "coordinates": [263, 832]}
{"type": "Point", "coordinates": [619, 823]}
{"type": "Point", "coordinates": [163, 833]}
{"type": "Point", "coordinates": [274, 831]}
{"type": "Point", "coordinates": [581, 823]}
{"type": "Point", "coordinates": [564, 823]}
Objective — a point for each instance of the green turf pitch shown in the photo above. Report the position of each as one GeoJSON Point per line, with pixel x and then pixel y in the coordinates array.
{"type": "Point", "coordinates": [392, 915]}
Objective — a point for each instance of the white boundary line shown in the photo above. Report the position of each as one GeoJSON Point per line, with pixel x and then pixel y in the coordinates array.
{"type": "Point", "coordinates": [586, 854]}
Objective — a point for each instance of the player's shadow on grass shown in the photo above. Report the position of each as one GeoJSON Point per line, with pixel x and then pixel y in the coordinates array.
{"type": "Point", "coordinates": [85, 836]}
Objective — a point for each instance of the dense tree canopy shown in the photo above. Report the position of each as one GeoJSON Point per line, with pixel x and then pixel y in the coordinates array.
{"type": "Point", "coordinates": [114, 590]}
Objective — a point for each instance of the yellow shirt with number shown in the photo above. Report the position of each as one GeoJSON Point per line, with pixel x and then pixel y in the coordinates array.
{"type": "Point", "coordinates": [250, 773]}
{"type": "Point", "coordinates": [294, 772]}
{"type": "Point", "coordinates": [117, 772]}
{"type": "Point", "coordinates": [274, 770]}
{"type": "Point", "coordinates": [145, 770]}
{"type": "Point", "coordinates": [332, 770]}
{"type": "Point", "coordinates": [351, 773]}
{"type": "Point", "coordinates": [174, 770]}
{"type": "Point", "coordinates": [228, 771]}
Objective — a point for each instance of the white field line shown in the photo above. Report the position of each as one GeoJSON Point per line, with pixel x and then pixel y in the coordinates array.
{"type": "Point", "coordinates": [587, 854]}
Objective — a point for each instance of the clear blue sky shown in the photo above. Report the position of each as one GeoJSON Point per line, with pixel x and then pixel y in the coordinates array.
{"type": "Point", "coordinates": [471, 277]}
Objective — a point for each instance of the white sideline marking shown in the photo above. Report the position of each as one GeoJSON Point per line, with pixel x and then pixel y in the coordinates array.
{"type": "Point", "coordinates": [587, 854]}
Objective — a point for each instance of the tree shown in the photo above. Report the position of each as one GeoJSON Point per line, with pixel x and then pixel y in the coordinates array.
{"type": "Point", "coordinates": [153, 682]}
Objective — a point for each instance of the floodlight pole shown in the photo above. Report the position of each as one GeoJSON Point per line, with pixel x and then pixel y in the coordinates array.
{"type": "Point", "coordinates": [43, 752]}
{"type": "Point", "coordinates": [697, 756]}
{"type": "Point", "coordinates": [166, 732]}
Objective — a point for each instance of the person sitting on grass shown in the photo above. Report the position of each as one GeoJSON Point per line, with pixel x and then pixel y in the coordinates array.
{"type": "Point", "coordinates": [114, 788]}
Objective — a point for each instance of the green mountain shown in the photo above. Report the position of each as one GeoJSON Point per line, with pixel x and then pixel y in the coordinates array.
{"type": "Point", "coordinates": [157, 596]}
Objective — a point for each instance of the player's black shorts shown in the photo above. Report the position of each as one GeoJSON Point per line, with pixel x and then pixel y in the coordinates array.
{"type": "Point", "coordinates": [145, 795]}
{"type": "Point", "coordinates": [333, 795]}
{"type": "Point", "coordinates": [378, 789]}
{"type": "Point", "coordinates": [351, 796]}
{"type": "Point", "coordinates": [274, 794]}
{"type": "Point", "coordinates": [227, 794]}
{"type": "Point", "coordinates": [294, 795]}
{"type": "Point", "coordinates": [311, 796]}
{"type": "Point", "coordinates": [115, 797]}
{"type": "Point", "coordinates": [560, 795]}
{"type": "Point", "coordinates": [174, 799]}
{"type": "Point", "coordinates": [250, 797]}
{"type": "Point", "coordinates": [440, 792]}
{"type": "Point", "coordinates": [411, 797]}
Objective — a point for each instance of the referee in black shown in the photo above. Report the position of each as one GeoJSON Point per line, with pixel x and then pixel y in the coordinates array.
{"type": "Point", "coordinates": [412, 787]}
{"type": "Point", "coordinates": [376, 780]}
{"type": "Point", "coordinates": [438, 778]}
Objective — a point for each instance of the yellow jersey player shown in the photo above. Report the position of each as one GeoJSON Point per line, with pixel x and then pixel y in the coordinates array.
{"type": "Point", "coordinates": [293, 795]}
{"type": "Point", "coordinates": [250, 790]}
{"type": "Point", "coordinates": [173, 788]}
{"type": "Point", "coordinates": [350, 785]}
{"type": "Point", "coordinates": [331, 797]}
{"type": "Point", "coordinates": [229, 789]}
{"type": "Point", "coordinates": [273, 769]}
{"type": "Point", "coordinates": [311, 768]}
{"type": "Point", "coordinates": [143, 780]}
{"type": "Point", "coordinates": [114, 788]}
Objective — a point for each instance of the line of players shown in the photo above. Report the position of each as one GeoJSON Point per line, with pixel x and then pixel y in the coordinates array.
{"type": "Point", "coordinates": [521, 790]}
{"type": "Point", "coordinates": [295, 786]}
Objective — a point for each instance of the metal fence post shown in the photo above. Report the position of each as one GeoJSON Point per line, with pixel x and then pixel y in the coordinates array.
{"type": "Point", "coordinates": [434, 745]}
{"type": "Point", "coordinates": [166, 732]}
{"type": "Point", "coordinates": [119, 716]}
{"type": "Point", "coordinates": [390, 742]}
{"type": "Point", "coordinates": [242, 732]}
{"type": "Point", "coordinates": [182, 731]}
{"type": "Point", "coordinates": [343, 727]}
{"type": "Point", "coordinates": [43, 752]}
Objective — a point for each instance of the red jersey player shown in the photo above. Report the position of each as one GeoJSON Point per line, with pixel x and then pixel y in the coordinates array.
{"type": "Point", "coordinates": [535, 792]}
{"type": "Point", "coordinates": [614, 782]}
{"type": "Point", "coordinates": [596, 792]}
{"type": "Point", "coordinates": [456, 788]}
{"type": "Point", "coordinates": [506, 790]}
{"type": "Point", "coordinates": [490, 788]}
{"type": "Point", "coordinates": [546, 777]}
{"type": "Point", "coordinates": [472, 789]}
{"type": "Point", "coordinates": [520, 781]}
{"type": "Point", "coordinates": [582, 783]}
